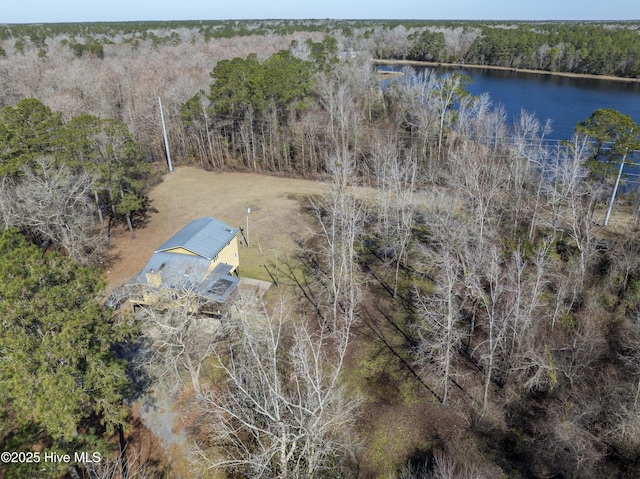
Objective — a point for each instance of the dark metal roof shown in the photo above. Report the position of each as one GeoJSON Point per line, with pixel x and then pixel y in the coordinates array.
{"type": "Point", "coordinates": [176, 267]}
{"type": "Point", "coordinates": [220, 284]}
{"type": "Point", "coordinates": [204, 237]}
{"type": "Point", "coordinates": [187, 272]}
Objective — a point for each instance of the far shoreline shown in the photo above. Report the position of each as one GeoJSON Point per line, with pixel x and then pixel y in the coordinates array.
{"type": "Point", "coordinates": [509, 69]}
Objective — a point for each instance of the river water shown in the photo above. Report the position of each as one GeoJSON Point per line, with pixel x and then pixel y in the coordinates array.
{"type": "Point", "coordinates": [563, 100]}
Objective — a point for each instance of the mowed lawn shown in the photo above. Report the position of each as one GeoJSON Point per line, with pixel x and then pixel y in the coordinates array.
{"type": "Point", "coordinates": [276, 221]}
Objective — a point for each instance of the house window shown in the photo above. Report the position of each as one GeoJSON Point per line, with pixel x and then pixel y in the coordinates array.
{"type": "Point", "coordinates": [215, 258]}
{"type": "Point", "coordinates": [229, 243]}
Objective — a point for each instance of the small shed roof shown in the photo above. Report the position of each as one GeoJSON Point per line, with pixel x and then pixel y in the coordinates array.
{"type": "Point", "coordinates": [203, 237]}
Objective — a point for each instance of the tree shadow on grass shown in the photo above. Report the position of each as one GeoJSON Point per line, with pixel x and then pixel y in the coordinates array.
{"type": "Point", "coordinates": [135, 353]}
{"type": "Point", "coordinates": [141, 218]}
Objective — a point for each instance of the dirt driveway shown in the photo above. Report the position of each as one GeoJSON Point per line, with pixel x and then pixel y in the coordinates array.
{"type": "Point", "coordinates": [276, 220]}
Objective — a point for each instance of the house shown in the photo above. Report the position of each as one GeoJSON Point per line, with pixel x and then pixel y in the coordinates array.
{"type": "Point", "coordinates": [200, 259]}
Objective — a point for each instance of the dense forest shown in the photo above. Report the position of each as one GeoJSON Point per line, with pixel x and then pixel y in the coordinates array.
{"type": "Point", "coordinates": [459, 272]}
{"type": "Point", "coordinates": [575, 47]}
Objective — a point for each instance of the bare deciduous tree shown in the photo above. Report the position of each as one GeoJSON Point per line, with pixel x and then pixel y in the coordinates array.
{"type": "Point", "coordinates": [529, 156]}
{"type": "Point", "coordinates": [488, 286]}
{"type": "Point", "coordinates": [443, 466]}
{"type": "Point", "coordinates": [439, 332]}
{"type": "Point", "coordinates": [281, 410]}
{"type": "Point", "coordinates": [396, 178]}
{"type": "Point", "coordinates": [577, 447]}
{"type": "Point", "coordinates": [53, 204]}
{"type": "Point", "coordinates": [345, 117]}
{"type": "Point", "coordinates": [133, 467]}
{"type": "Point", "coordinates": [526, 288]}
{"type": "Point", "coordinates": [339, 218]}
{"type": "Point", "coordinates": [403, 178]}
{"type": "Point", "coordinates": [484, 187]}
{"type": "Point", "coordinates": [575, 205]}
{"type": "Point", "coordinates": [181, 338]}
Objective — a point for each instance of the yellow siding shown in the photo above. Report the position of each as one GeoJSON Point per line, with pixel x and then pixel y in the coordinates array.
{"type": "Point", "coordinates": [154, 279]}
{"type": "Point", "coordinates": [180, 251]}
{"type": "Point", "coordinates": [228, 254]}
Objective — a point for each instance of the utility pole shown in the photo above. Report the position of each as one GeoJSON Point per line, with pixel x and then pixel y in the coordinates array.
{"type": "Point", "coordinates": [615, 190]}
{"type": "Point", "coordinates": [248, 211]}
{"type": "Point", "coordinates": [166, 141]}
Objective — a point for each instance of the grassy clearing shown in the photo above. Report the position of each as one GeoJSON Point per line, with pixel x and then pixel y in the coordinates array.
{"type": "Point", "coordinates": [276, 222]}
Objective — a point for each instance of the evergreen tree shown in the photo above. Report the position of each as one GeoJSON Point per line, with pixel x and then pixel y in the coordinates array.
{"type": "Point", "coordinates": [28, 130]}
{"type": "Point", "coordinates": [613, 135]}
{"type": "Point", "coordinates": [60, 382]}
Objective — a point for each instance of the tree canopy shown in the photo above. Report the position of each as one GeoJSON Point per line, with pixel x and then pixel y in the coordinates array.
{"type": "Point", "coordinates": [240, 84]}
{"type": "Point", "coordinates": [28, 130]}
{"type": "Point", "coordinates": [58, 371]}
{"type": "Point", "coordinates": [613, 135]}
{"type": "Point", "coordinates": [102, 151]}
{"type": "Point", "coordinates": [428, 46]}
{"type": "Point", "coordinates": [57, 367]}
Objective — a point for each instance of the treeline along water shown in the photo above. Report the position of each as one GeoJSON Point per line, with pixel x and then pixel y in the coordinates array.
{"type": "Point", "coordinates": [563, 100]}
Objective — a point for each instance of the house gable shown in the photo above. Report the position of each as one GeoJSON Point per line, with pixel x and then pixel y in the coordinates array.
{"type": "Point", "coordinates": [204, 237]}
